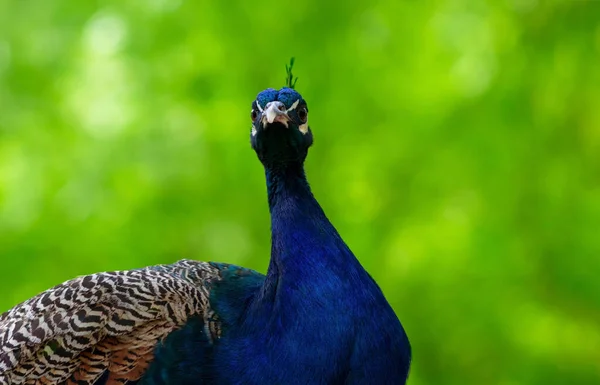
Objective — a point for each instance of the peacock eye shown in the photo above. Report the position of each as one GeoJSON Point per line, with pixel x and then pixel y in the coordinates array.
{"type": "Point", "coordinates": [253, 115]}
{"type": "Point", "coordinates": [303, 114]}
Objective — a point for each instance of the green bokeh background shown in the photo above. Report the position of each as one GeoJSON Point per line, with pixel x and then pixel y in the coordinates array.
{"type": "Point", "coordinates": [456, 150]}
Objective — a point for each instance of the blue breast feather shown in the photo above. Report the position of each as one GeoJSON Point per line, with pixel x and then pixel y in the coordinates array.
{"type": "Point", "coordinates": [317, 317]}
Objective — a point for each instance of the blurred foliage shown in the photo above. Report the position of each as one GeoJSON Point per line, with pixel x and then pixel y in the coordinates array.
{"type": "Point", "coordinates": [456, 149]}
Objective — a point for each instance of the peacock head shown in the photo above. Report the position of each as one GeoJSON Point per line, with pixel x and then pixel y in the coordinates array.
{"type": "Point", "coordinates": [280, 133]}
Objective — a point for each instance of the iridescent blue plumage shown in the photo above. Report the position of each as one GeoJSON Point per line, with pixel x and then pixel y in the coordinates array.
{"type": "Point", "coordinates": [316, 317]}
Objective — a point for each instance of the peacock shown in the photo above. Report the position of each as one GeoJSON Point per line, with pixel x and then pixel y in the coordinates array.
{"type": "Point", "coordinates": [316, 317]}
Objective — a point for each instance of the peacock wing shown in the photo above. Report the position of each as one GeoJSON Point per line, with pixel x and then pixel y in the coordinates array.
{"type": "Point", "coordinates": [105, 323]}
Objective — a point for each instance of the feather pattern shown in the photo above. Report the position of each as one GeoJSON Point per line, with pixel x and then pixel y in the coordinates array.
{"type": "Point", "coordinates": [77, 331]}
{"type": "Point", "coordinates": [316, 317]}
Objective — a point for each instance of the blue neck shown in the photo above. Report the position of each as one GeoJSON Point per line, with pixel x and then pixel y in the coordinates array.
{"type": "Point", "coordinates": [305, 245]}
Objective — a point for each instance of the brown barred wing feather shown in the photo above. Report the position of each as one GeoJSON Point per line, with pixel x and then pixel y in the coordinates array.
{"type": "Point", "coordinates": [76, 331]}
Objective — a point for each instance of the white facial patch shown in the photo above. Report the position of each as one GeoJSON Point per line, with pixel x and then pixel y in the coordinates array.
{"type": "Point", "coordinates": [253, 130]}
{"type": "Point", "coordinates": [258, 106]}
{"type": "Point", "coordinates": [303, 128]}
{"type": "Point", "coordinates": [294, 105]}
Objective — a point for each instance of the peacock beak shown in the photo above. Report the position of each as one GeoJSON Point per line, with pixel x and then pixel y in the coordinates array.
{"type": "Point", "coordinates": [275, 112]}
